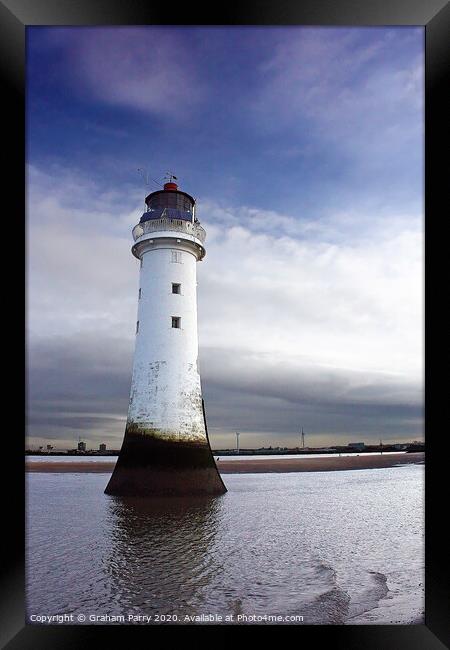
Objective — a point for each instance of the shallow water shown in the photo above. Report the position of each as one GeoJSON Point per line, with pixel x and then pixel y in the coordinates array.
{"type": "Point", "coordinates": [333, 547]}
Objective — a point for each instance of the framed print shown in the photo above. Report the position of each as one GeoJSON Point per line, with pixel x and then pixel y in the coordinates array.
{"type": "Point", "coordinates": [227, 373]}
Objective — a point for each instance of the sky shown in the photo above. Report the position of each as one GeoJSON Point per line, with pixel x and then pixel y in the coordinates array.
{"type": "Point", "coordinates": [303, 147]}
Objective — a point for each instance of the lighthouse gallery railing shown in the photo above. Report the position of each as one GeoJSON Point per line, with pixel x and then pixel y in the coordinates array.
{"type": "Point", "coordinates": [177, 225]}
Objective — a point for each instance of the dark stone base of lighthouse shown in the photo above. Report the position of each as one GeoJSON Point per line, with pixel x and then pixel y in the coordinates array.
{"type": "Point", "coordinates": [151, 466]}
{"type": "Point", "coordinates": [148, 466]}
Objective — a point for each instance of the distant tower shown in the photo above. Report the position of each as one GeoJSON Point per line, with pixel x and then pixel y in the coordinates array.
{"type": "Point", "coordinates": [166, 449]}
{"type": "Point", "coordinates": [237, 441]}
{"type": "Point", "coordinates": [303, 439]}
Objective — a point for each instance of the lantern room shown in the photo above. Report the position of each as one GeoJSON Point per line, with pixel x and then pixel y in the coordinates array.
{"type": "Point", "coordinates": [169, 202]}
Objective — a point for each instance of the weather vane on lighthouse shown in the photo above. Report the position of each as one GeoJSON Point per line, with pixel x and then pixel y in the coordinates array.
{"type": "Point", "coordinates": [166, 449]}
{"type": "Point", "coordinates": [170, 177]}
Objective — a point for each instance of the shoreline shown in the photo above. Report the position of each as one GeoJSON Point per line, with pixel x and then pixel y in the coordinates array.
{"type": "Point", "coordinates": [251, 466]}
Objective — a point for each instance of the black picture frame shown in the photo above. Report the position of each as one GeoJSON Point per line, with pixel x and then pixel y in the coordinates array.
{"type": "Point", "coordinates": [434, 16]}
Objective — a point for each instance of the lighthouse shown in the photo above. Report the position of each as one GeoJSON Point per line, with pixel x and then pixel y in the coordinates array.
{"type": "Point", "coordinates": [166, 450]}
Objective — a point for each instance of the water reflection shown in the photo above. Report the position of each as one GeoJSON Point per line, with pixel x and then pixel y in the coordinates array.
{"type": "Point", "coordinates": [161, 547]}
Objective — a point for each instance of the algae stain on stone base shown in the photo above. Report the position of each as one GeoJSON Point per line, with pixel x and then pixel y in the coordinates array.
{"type": "Point", "coordinates": [150, 465]}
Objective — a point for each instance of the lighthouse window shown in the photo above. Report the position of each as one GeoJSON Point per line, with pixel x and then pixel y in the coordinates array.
{"type": "Point", "coordinates": [176, 256]}
{"type": "Point", "coordinates": [137, 327]}
{"type": "Point", "coordinates": [140, 292]}
{"type": "Point", "coordinates": [176, 321]}
{"type": "Point", "coordinates": [176, 288]}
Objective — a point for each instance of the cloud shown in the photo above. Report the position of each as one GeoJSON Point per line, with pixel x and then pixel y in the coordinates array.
{"type": "Point", "coordinates": [356, 93]}
{"type": "Point", "coordinates": [301, 382]}
{"type": "Point", "coordinates": [78, 384]}
{"type": "Point", "coordinates": [298, 320]}
{"type": "Point", "coordinates": [353, 303]}
{"type": "Point", "coordinates": [78, 236]}
{"type": "Point", "coordinates": [149, 69]}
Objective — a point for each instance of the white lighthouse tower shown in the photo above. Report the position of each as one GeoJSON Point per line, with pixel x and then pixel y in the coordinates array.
{"type": "Point", "coordinates": [166, 449]}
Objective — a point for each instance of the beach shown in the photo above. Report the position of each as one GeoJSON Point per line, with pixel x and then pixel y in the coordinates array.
{"type": "Point", "coordinates": [250, 465]}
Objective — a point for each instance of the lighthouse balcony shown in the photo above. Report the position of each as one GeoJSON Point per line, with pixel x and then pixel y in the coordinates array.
{"type": "Point", "coordinates": [165, 224]}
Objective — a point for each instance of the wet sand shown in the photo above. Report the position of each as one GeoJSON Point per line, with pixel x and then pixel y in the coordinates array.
{"type": "Point", "coordinates": [250, 466]}
{"type": "Point", "coordinates": [318, 464]}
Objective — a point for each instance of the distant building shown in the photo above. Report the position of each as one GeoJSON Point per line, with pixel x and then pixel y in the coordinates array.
{"type": "Point", "coordinates": [102, 447]}
{"type": "Point", "coordinates": [49, 447]}
{"type": "Point", "coordinates": [81, 446]}
{"type": "Point", "coordinates": [359, 446]}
